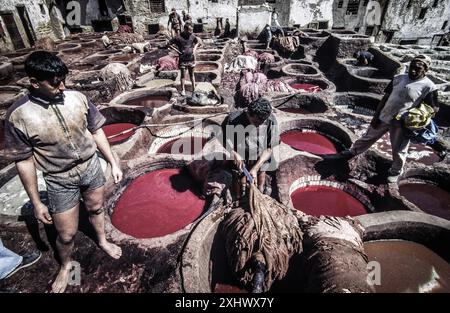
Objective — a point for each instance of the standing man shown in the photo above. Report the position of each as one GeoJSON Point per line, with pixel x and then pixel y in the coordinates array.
{"type": "Point", "coordinates": [275, 22]}
{"type": "Point", "coordinates": [58, 131]}
{"type": "Point", "coordinates": [186, 44]}
{"type": "Point", "coordinates": [250, 136]}
{"type": "Point", "coordinates": [404, 92]}
{"type": "Point", "coordinates": [186, 17]}
{"type": "Point", "coordinates": [175, 23]}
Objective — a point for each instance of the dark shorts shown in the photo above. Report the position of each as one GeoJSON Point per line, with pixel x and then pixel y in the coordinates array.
{"type": "Point", "coordinates": [64, 189]}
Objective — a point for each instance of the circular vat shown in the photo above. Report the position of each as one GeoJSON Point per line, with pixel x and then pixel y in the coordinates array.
{"type": "Point", "coordinates": [10, 94]}
{"type": "Point", "coordinates": [109, 52]}
{"type": "Point", "coordinates": [120, 122]}
{"type": "Point", "coordinates": [298, 69]}
{"type": "Point", "coordinates": [208, 57]}
{"type": "Point", "coordinates": [157, 203]}
{"type": "Point", "coordinates": [148, 98]}
{"type": "Point", "coordinates": [411, 251]}
{"type": "Point", "coordinates": [369, 72]}
{"type": "Point", "coordinates": [208, 77]}
{"type": "Point", "coordinates": [206, 67]}
{"type": "Point", "coordinates": [123, 57]}
{"type": "Point", "coordinates": [416, 152]}
{"type": "Point", "coordinates": [69, 47]}
{"type": "Point", "coordinates": [430, 193]}
{"type": "Point", "coordinates": [311, 85]}
{"type": "Point", "coordinates": [95, 58]}
{"type": "Point", "coordinates": [182, 140]}
{"type": "Point", "coordinates": [357, 103]}
{"type": "Point", "coordinates": [326, 198]}
{"type": "Point", "coordinates": [302, 104]}
{"type": "Point", "coordinates": [316, 136]}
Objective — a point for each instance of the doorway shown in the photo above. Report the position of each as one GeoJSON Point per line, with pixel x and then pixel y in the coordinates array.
{"type": "Point", "coordinates": [11, 27]}
{"type": "Point", "coordinates": [23, 14]}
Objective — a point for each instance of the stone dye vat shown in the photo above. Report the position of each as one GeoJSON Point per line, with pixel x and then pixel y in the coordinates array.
{"type": "Point", "coordinates": [183, 145]}
{"type": "Point", "coordinates": [10, 94]}
{"type": "Point", "coordinates": [357, 102]}
{"type": "Point", "coordinates": [428, 196]}
{"type": "Point", "coordinates": [145, 97]}
{"type": "Point", "coordinates": [311, 85]}
{"type": "Point", "coordinates": [408, 267]}
{"type": "Point", "coordinates": [309, 141]}
{"type": "Point", "coordinates": [326, 200]}
{"type": "Point", "coordinates": [302, 70]}
{"type": "Point", "coordinates": [157, 203]}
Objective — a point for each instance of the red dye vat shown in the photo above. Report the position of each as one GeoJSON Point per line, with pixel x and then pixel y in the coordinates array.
{"type": "Point", "coordinates": [184, 145]}
{"type": "Point", "coordinates": [295, 110]}
{"type": "Point", "coordinates": [306, 87]}
{"type": "Point", "coordinates": [325, 200]}
{"type": "Point", "coordinates": [117, 128]}
{"type": "Point", "coordinates": [429, 198]}
{"type": "Point", "coordinates": [309, 142]}
{"type": "Point", "coordinates": [156, 204]}
{"type": "Point", "coordinates": [150, 101]}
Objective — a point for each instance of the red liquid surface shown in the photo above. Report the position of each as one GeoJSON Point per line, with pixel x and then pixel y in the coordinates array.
{"type": "Point", "coordinates": [324, 200]}
{"type": "Point", "coordinates": [183, 145]}
{"type": "Point", "coordinates": [309, 142]}
{"type": "Point", "coordinates": [430, 199]}
{"type": "Point", "coordinates": [156, 204]}
{"type": "Point", "coordinates": [114, 129]}
{"type": "Point", "coordinates": [306, 87]}
{"type": "Point", "coordinates": [150, 101]}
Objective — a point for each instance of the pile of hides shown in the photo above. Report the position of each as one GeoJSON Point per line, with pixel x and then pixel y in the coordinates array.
{"type": "Point", "coordinates": [288, 44]}
{"type": "Point", "coordinates": [46, 44]}
{"type": "Point", "coordinates": [262, 231]}
{"type": "Point", "coordinates": [120, 74]}
{"type": "Point", "coordinates": [124, 29]}
{"type": "Point", "coordinates": [252, 53]}
{"type": "Point", "coordinates": [253, 77]}
{"type": "Point", "coordinates": [128, 38]}
{"type": "Point", "coordinates": [141, 47]}
{"type": "Point", "coordinates": [167, 63]}
{"type": "Point", "coordinates": [242, 62]}
{"type": "Point", "coordinates": [278, 86]}
{"type": "Point", "coordinates": [256, 85]}
{"type": "Point", "coordinates": [204, 95]}
{"type": "Point", "coordinates": [266, 58]}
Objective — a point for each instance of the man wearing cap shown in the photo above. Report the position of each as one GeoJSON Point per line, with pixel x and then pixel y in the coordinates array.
{"type": "Point", "coordinates": [404, 92]}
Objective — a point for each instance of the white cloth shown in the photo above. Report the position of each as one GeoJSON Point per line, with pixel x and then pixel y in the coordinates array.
{"type": "Point", "coordinates": [242, 62]}
{"type": "Point", "coordinates": [405, 94]}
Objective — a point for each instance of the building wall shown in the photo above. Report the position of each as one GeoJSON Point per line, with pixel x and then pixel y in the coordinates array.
{"type": "Point", "coordinates": [39, 22]}
{"type": "Point", "coordinates": [407, 25]}
{"type": "Point", "coordinates": [304, 12]}
{"type": "Point", "coordinates": [252, 19]}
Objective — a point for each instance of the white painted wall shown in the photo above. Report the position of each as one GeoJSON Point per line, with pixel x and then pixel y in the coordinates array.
{"type": "Point", "coordinates": [304, 12]}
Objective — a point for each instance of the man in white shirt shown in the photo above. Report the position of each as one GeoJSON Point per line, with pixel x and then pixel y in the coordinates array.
{"type": "Point", "coordinates": [404, 92]}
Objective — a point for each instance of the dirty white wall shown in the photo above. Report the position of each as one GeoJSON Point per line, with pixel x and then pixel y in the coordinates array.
{"type": "Point", "coordinates": [40, 22]}
{"type": "Point", "coordinates": [252, 19]}
{"type": "Point", "coordinates": [406, 23]}
{"type": "Point", "coordinates": [304, 12]}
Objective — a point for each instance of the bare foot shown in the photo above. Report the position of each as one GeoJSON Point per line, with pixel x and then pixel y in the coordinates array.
{"type": "Point", "coordinates": [60, 283]}
{"type": "Point", "coordinates": [111, 249]}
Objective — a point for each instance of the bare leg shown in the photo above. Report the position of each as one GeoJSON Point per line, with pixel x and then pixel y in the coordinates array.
{"type": "Point", "coordinates": [182, 79]}
{"type": "Point", "coordinates": [261, 180]}
{"type": "Point", "coordinates": [66, 224]}
{"type": "Point", "coordinates": [192, 77]}
{"type": "Point", "coordinates": [94, 205]}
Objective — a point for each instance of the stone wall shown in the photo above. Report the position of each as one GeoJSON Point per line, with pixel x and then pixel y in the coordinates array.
{"type": "Point", "coordinates": [40, 22]}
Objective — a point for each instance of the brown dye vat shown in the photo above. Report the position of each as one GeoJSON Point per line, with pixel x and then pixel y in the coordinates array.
{"type": "Point", "coordinates": [208, 57]}
{"type": "Point", "coordinates": [429, 198]}
{"type": "Point", "coordinates": [408, 267]}
{"type": "Point", "coordinates": [429, 155]}
{"type": "Point", "coordinates": [123, 58]}
{"type": "Point", "coordinates": [149, 101]}
{"type": "Point", "coordinates": [205, 67]}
